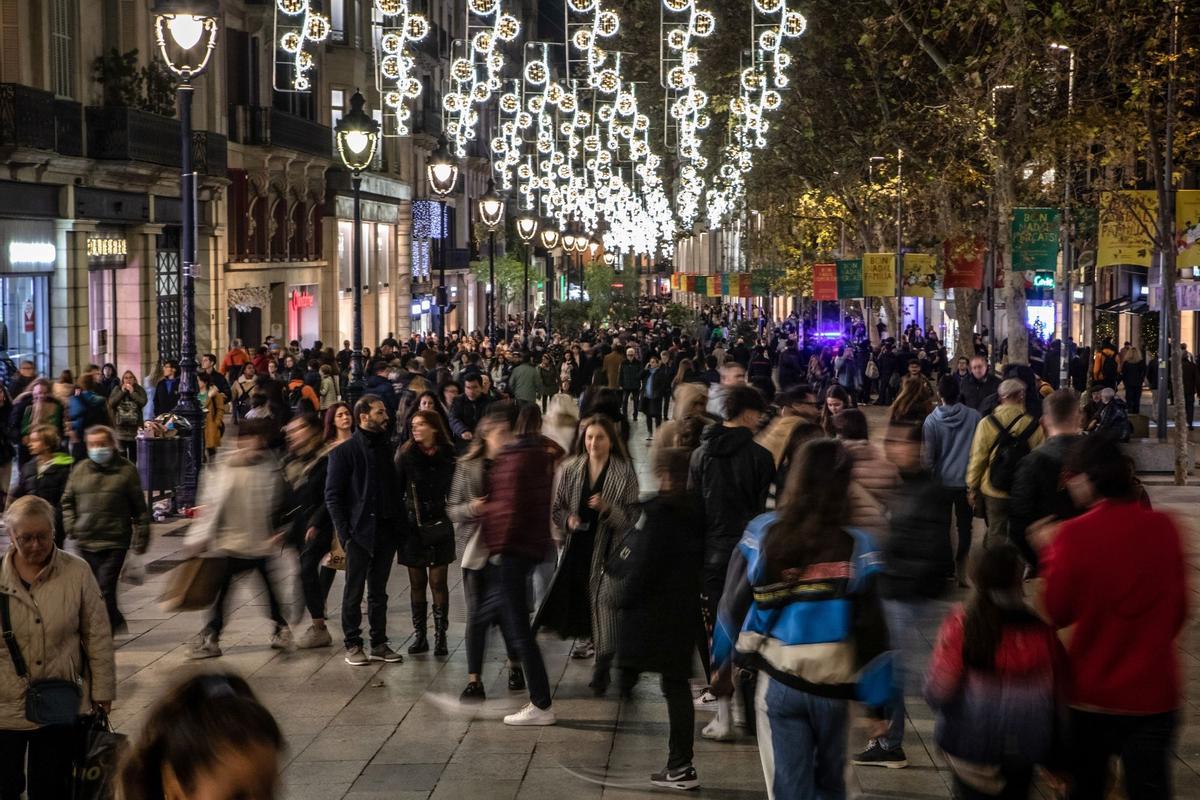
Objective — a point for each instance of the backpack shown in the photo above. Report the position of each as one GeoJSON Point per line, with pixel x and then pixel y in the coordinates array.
{"type": "Point", "coordinates": [1108, 368]}
{"type": "Point", "coordinates": [127, 414]}
{"type": "Point", "coordinates": [296, 401]}
{"type": "Point", "coordinates": [1007, 452]}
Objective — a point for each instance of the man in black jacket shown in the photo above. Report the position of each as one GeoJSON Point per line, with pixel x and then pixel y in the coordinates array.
{"type": "Point", "coordinates": [1039, 491]}
{"type": "Point", "coordinates": [980, 385]}
{"type": "Point", "coordinates": [730, 475]}
{"type": "Point", "coordinates": [468, 409]}
{"type": "Point", "coordinates": [629, 378]}
{"type": "Point", "coordinates": [310, 531]}
{"type": "Point", "coordinates": [364, 500]}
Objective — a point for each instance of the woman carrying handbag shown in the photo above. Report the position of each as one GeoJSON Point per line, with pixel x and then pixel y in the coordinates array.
{"type": "Point", "coordinates": [425, 469]}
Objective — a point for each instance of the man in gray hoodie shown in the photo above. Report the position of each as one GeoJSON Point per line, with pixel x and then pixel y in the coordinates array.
{"type": "Point", "coordinates": [947, 433]}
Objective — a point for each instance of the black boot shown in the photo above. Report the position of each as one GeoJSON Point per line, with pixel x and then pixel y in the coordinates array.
{"type": "Point", "coordinates": [441, 620]}
{"type": "Point", "coordinates": [420, 616]}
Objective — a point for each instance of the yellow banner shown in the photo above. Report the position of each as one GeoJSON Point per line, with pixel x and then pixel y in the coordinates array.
{"type": "Point", "coordinates": [714, 285]}
{"type": "Point", "coordinates": [1127, 219]}
{"type": "Point", "coordinates": [920, 274]}
{"type": "Point", "coordinates": [879, 274]}
{"type": "Point", "coordinates": [1187, 227]}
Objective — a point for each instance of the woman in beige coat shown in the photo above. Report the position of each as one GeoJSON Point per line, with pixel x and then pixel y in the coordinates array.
{"type": "Point", "coordinates": [58, 622]}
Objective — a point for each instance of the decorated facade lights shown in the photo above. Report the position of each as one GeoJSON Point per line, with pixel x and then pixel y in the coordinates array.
{"type": "Point", "coordinates": [296, 25]}
{"type": "Point", "coordinates": [686, 104]}
{"type": "Point", "coordinates": [399, 27]}
{"type": "Point", "coordinates": [476, 70]}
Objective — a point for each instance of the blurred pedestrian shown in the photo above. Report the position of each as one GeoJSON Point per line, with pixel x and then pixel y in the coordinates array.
{"type": "Point", "coordinates": [126, 403]}
{"type": "Point", "coordinates": [311, 530]}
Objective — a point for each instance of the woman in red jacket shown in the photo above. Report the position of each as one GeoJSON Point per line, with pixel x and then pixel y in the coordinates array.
{"type": "Point", "coordinates": [1116, 573]}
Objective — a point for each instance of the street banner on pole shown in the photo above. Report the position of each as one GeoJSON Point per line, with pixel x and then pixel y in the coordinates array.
{"type": "Point", "coordinates": [1127, 219]}
{"type": "Point", "coordinates": [879, 274]}
{"type": "Point", "coordinates": [850, 278]}
{"type": "Point", "coordinates": [760, 285]}
{"type": "Point", "coordinates": [1187, 227]}
{"type": "Point", "coordinates": [1035, 235]}
{"type": "Point", "coordinates": [824, 281]}
{"type": "Point", "coordinates": [1187, 295]}
{"type": "Point", "coordinates": [964, 262]}
{"type": "Point", "coordinates": [714, 285]}
{"type": "Point", "coordinates": [744, 285]}
{"type": "Point", "coordinates": [920, 274]}
{"type": "Point", "coordinates": [725, 285]}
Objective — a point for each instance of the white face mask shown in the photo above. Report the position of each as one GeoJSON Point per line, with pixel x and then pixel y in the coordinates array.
{"type": "Point", "coordinates": [100, 455]}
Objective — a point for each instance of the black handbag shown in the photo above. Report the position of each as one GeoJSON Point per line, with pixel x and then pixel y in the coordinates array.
{"type": "Point", "coordinates": [98, 758]}
{"type": "Point", "coordinates": [52, 701]}
{"type": "Point", "coordinates": [432, 534]}
{"type": "Point", "coordinates": [626, 565]}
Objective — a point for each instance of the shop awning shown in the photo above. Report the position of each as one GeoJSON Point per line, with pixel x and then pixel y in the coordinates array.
{"type": "Point", "coordinates": [1125, 305]}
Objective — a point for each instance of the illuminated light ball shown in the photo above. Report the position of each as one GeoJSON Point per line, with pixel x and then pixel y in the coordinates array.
{"type": "Point", "coordinates": [525, 172]}
{"type": "Point", "coordinates": [769, 40]}
{"type": "Point", "coordinates": [691, 59]}
{"type": "Point", "coordinates": [507, 27]}
{"type": "Point", "coordinates": [390, 43]}
{"type": "Point", "coordinates": [751, 79]}
{"type": "Point", "coordinates": [703, 23]}
{"type": "Point", "coordinates": [483, 7]}
{"type": "Point", "coordinates": [583, 119]}
{"type": "Point", "coordinates": [450, 102]}
{"type": "Point", "coordinates": [564, 128]}
{"type": "Point", "coordinates": [794, 24]}
{"type": "Point", "coordinates": [781, 80]}
{"type": "Point", "coordinates": [677, 39]}
{"type": "Point", "coordinates": [555, 93]}
{"type": "Point", "coordinates": [535, 72]}
{"type": "Point", "coordinates": [701, 162]}
{"type": "Point", "coordinates": [591, 143]}
{"type": "Point", "coordinates": [482, 41]}
{"type": "Point", "coordinates": [688, 173]}
{"type": "Point", "coordinates": [495, 63]}
{"type": "Point", "coordinates": [626, 132]}
{"type": "Point", "coordinates": [304, 61]}
{"type": "Point", "coordinates": [768, 6]}
{"type": "Point", "coordinates": [608, 81]}
{"type": "Point", "coordinates": [703, 121]}
{"type": "Point", "coordinates": [388, 7]}
{"type": "Point", "coordinates": [557, 159]}
{"type": "Point", "coordinates": [625, 104]}
{"type": "Point", "coordinates": [524, 120]}
{"type": "Point", "coordinates": [417, 28]}
{"type": "Point", "coordinates": [509, 103]}
{"type": "Point", "coordinates": [545, 166]}
{"type": "Point", "coordinates": [390, 67]}
{"type": "Point", "coordinates": [301, 83]}
{"type": "Point", "coordinates": [699, 99]}
{"type": "Point", "coordinates": [677, 5]}
{"type": "Point", "coordinates": [581, 6]}
{"type": "Point", "coordinates": [771, 99]}
{"type": "Point", "coordinates": [641, 122]}
{"type": "Point", "coordinates": [639, 149]}
{"type": "Point", "coordinates": [596, 57]}
{"type": "Point", "coordinates": [403, 114]}
{"type": "Point", "coordinates": [480, 93]}
{"type": "Point", "coordinates": [289, 42]}
{"type": "Point", "coordinates": [461, 70]}
{"type": "Point", "coordinates": [292, 7]}
{"type": "Point", "coordinates": [604, 157]}
{"type": "Point", "coordinates": [537, 103]}
{"type": "Point", "coordinates": [498, 145]}
{"type": "Point", "coordinates": [564, 172]}
{"type": "Point", "coordinates": [608, 23]}
{"type": "Point", "coordinates": [544, 145]}
{"type": "Point", "coordinates": [568, 103]}
{"type": "Point", "coordinates": [318, 27]}
{"type": "Point", "coordinates": [582, 39]}
{"type": "Point", "coordinates": [680, 78]}
{"type": "Point", "coordinates": [783, 60]}
{"type": "Point", "coordinates": [605, 113]}
{"type": "Point", "coordinates": [392, 98]}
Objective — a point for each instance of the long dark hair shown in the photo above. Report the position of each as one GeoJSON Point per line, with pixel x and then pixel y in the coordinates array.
{"type": "Point", "coordinates": [434, 420]}
{"type": "Point", "coordinates": [814, 506]}
{"type": "Point", "coordinates": [995, 574]}
{"type": "Point", "coordinates": [330, 414]}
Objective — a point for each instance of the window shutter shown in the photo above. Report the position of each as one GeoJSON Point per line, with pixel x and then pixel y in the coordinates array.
{"type": "Point", "coordinates": [10, 43]}
{"type": "Point", "coordinates": [129, 26]}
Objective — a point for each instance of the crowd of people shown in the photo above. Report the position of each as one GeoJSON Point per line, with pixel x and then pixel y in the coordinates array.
{"type": "Point", "coordinates": [784, 550]}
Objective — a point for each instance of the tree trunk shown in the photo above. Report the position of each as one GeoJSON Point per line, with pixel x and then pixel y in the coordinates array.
{"type": "Point", "coordinates": [871, 319]}
{"type": "Point", "coordinates": [1014, 282]}
{"type": "Point", "coordinates": [891, 316]}
{"type": "Point", "coordinates": [966, 315]}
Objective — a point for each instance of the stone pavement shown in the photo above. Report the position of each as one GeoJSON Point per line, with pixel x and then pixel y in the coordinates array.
{"type": "Point", "coordinates": [397, 732]}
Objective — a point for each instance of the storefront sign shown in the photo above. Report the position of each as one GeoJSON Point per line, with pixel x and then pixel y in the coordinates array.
{"type": "Point", "coordinates": [850, 278]}
{"type": "Point", "coordinates": [1035, 234]}
{"type": "Point", "coordinates": [107, 252]}
{"type": "Point", "coordinates": [1126, 221]}
{"type": "Point", "coordinates": [879, 274]}
{"type": "Point", "coordinates": [825, 282]}
{"type": "Point", "coordinates": [964, 263]}
{"type": "Point", "coordinates": [1043, 280]}
{"type": "Point", "coordinates": [920, 274]}
{"type": "Point", "coordinates": [39, 253]}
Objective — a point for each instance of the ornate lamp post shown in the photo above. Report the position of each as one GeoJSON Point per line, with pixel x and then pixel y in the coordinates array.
{"type": "Point", "coordinates": [442, 174]}
{"type": "Point", "coordinates": [527, 226]}
{"type": "Point", "coordinates": [186, 34]}
{"type": "Point", "coordinates": [582, 242]}
{"type": "Point", "coordinates": [568, 244]}
{"type": "Point", "coordinates": [549, 237]}
{"type": "Point", "coordinates": [491, 211]}
{"type": "Point", "coordinates": [357, 136]}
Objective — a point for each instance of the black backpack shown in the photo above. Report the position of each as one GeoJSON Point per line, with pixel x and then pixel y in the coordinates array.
{"type": "Point", "coordinates": [1108, 368]}
{"type": "Point", "coordinates": [296, 401]}
{"type": "Point", "coordinates": [1007, 452]}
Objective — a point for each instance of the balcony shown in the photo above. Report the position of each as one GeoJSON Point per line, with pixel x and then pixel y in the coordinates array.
{"type": "Point", "coordinates": [26, 117]}
{"type": "Point", "coordinates": [127, 134]}
{"type": "Point", "coordinates": [210, 153]}
{"type": "Point", "coordinates": [269, 127]}
{"type": "Point", "coordinates": [68, 127]}
{"type": "Point", "coordinates": [427, 121]}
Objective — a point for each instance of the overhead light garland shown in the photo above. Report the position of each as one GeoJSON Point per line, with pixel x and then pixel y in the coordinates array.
{"type": "Point", "coordinates": [686, 103]}
{"type": "Point", "coordinates": [400, 27]}
{"type": "Point", "coordinates": [297, 25]}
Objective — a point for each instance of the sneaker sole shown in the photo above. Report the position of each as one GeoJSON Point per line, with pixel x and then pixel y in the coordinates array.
{"type": "Point", "coordinates": [684, 786]}
{"type": "Point", "coordinates": [888, 764]}
{"type": "Point", "coordinates": [541, 723]}
{"type": "Point", "coordinates": [398, 660]}
{"type": "Point", "coordinates": [202, 656]}
{"type": "Point", "coordinates": [358, 663]}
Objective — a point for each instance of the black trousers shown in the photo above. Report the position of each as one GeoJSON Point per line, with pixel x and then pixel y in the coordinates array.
{"type": "Point", "coordinates": [315, 580]}
{"type": "Point", "coordinates": [234, 567]}
{"type": "Point", "coordinates": [106, 566]}
{"type": "Point", "coordinates": [481, 616]}
{"type": "Point", "coordinates": [1143, 743]}
{"type": "Point", "coordinates": [626, 396]}
{"type": "Point", "coordinates": [956, 500]}
{"type": "Point", "coordinates": [49, 778]}
{"type": "Point", "coordinates": [681, 715]}
{"type": "Point", "coordinates": [654, 413]}
{"type": "Point", "coordinates": [367, 570]}
{"type": "Point", "coordinates": [507, 594]}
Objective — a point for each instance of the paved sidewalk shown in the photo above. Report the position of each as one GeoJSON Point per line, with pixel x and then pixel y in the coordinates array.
{"type": "Point", "coordinates": [397, 732]}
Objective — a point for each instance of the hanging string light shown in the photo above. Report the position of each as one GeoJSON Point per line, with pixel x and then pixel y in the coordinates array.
{"type": "Point", "coordinates": [400, 27]}
{"type": "Point", "coordinates": [297, 25]}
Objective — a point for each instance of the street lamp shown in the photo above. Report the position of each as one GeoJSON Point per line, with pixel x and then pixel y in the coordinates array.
{"type": "Point", "coordinates": [491, 212]}
{"type": "Point", "coordinates": [441, 172]}
{"type": "Point", "coordinates": [549, 237]}
{"type": "Point", "coordinates": [357, 135]}
{"type": "Point", "coordinates": [527, 226]}
{"type": "Point", "coordinates": [581, 244]}
{"type": "Point", "coordinates": [186, 34]}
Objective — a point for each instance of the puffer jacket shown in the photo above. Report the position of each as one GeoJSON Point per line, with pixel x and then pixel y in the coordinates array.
{"type": "Point", "coordinates": [58, 622]}
{"type": "Point", "coordinates": [104, 508]}
{"type": "Point", "coordinates": [947, 434]}
{"type": "Point", "coordinates": [730, 475]}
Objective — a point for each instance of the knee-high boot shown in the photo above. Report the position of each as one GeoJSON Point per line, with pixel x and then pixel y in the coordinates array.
{"type": "Point", "coordinates": [420, 617]}
{"type": "Point", "coordinates": [441, 620]}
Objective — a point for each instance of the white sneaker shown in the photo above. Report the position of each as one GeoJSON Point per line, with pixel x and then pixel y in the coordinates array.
{"type": "Point", "coordinates": [706, 701]}
{"type": "Point", "coordinates": [531, 715]}
{"type": "Point", "coordinates": [282, 640]}
{"type": "Point", "coordinates": [314, 637]}
{"type": "Point", "coordinates": [721, 727]}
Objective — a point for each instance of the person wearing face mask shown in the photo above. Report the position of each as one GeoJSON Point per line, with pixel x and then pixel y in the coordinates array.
{"type": "Point", "coordinates": [105, 511]}
{"type": "Point", "coordinates": [365, 501]}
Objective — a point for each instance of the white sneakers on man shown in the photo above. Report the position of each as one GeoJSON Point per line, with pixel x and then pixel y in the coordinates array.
{"type": "Point", "coordinates": [531, 715]}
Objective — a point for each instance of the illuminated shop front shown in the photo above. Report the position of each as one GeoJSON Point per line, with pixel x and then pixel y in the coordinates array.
{"type": "Point", "coordinates": [28, 256]}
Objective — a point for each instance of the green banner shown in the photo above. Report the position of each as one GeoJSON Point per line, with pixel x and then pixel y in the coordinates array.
{"type": "Point", "coordinates": [850, 278]}
{"type": "Point", "coordinates": [1035, 234]}
{"type": "Point", "coordinates": [725, 285]}
{"type": "Point", "coordinates": [701, 284]}
{"type": "Point", "coordinates": [760, 285]}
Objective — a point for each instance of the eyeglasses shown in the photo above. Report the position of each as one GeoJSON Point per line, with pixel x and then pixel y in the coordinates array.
{"type": "Point", "coordinates": [28, 539]}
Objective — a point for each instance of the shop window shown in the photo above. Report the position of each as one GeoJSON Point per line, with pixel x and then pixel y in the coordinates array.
{"type": "Point", "coordinates": [166, 285]}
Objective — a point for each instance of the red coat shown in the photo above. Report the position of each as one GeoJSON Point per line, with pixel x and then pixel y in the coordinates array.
{"type": "Point", "coordinates": [1117, 574]}
{"type": "Point", "coordinates": [520, 485]}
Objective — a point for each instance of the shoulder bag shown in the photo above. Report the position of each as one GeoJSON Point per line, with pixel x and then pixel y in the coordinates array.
{"type": "Point", "coordinates": [52, 701]}
{"type": "Point", "coordinates": [435, 533]}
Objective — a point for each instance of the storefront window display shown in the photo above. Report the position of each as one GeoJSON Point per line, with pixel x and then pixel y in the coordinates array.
{"type": "Point", "coordinates": [27, 258]}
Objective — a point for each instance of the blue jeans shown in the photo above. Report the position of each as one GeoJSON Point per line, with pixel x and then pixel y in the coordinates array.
{"type": "Point", "coordinates": [906, 620]}
{"type": "Point", "coordinates": [801, 741]}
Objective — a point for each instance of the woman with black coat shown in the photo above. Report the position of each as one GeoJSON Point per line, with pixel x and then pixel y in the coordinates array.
{"type": "Point", "coordinates": [657, 594]}
{"type": "Point", "coordinates": [425, 470]}
{"type": "Point", "coordinates": [45, 474]}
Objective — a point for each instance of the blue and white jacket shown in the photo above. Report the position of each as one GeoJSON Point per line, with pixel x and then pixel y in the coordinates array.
{"type": "Point", "coordinates": [819, 628]}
